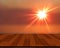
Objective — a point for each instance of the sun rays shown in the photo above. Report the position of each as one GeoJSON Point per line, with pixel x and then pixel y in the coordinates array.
{"type": "Point", "coordinates": [40, 16]}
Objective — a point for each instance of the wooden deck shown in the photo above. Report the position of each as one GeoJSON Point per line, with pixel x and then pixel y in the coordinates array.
{"type": "Point", "coordinates": [29, 39]}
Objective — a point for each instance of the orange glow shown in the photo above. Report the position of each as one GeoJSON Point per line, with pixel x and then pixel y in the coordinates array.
{"type": "Point", "coordinates": [41, 14]}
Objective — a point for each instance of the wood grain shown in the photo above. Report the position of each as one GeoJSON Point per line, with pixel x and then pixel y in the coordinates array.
{"type": "Point", "coordinates": [29, 39]}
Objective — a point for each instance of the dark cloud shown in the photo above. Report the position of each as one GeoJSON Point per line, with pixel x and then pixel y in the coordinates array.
{"type": "Point", "coordinates": [21, 16]}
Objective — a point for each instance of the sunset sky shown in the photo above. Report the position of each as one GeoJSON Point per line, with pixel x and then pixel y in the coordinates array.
{"type": "Point", "coordinates": [28, 3]}
{"type": "Point", "coordinates": [15, 17]}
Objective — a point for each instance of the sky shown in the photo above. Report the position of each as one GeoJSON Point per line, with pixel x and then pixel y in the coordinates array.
{"type": "Point", "coordinates": [13, 17]}
{"type": "Point", "coordinates": [27, 3]}
{"type": "Point", "coordinates": [32, 4]}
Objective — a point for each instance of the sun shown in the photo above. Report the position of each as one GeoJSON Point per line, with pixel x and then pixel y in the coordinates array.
{"type": "Point", "coordinates": [41, 14]}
